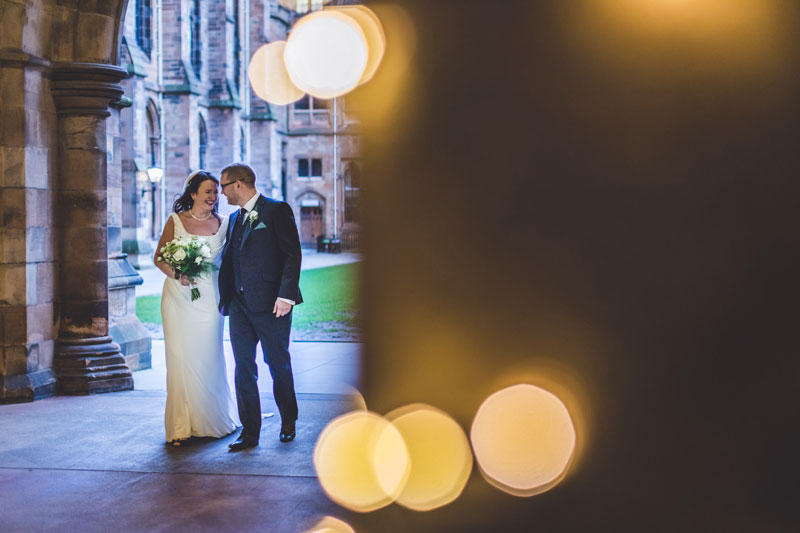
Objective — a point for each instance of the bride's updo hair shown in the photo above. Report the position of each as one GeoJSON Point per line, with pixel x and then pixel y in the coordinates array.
{"type": "Point", "coordinates": [184, 202]}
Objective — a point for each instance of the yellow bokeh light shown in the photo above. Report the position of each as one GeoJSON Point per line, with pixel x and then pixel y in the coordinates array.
{"type": "Point", "coordinates": [361, 461]}
{"type": "Point", "coordinates": [373, 31]}
{"type": "Point", "coordinates": [440, 456]}
{"type": "Point", "coordinates": [326, 54]}
{"type": "Point", "coordinates": [355, 400]}
{"type": "Point", "coordinates": [330, 524]}
{"type": "Point", "coordinates": [380, 101]}
{"type": "Point", "coordinates": [268, 75]}
{"type": "Point", "coordinates": [524, 439]}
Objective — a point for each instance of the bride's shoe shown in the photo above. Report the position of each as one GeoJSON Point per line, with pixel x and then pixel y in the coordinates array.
{"type": "Point", "coordinates": [177, 443]}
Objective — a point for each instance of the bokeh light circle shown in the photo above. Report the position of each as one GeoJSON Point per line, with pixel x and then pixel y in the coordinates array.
{"type": "Point", "coordinates": [440, 456]}
{"type": "Point", "coordinates": [330, 524]}
{"type": "Point", "coordinates": [268, 76]}
{"type": "Point", "coordinates": [373, 31]}
{"type": "Point", "coordinates": [326, 54]}
{"type": "Point", "coordinates": [524, 439]}
{"type": "Point", "coordinates": [361, 461]}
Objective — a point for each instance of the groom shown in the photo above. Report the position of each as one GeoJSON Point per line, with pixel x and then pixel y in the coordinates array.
{"type": "Point", "coordinates": [258, 287]}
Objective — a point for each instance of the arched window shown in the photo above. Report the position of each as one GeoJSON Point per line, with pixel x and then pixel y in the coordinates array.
{"type": "Point", "coordinates": [153, 140]}
{"type": "Point", "coordinates": [154, 135]}
{"type": "Point", "coordinates": [242, 145]}
{"type": "Point", "coordinates": [203, 141]}
{"type": "Point", "coordinates": [352, 187]}
{"type": "Point", "coordinates": [197, 60]}
{"type": "Point", "coordinates": [144, 25]}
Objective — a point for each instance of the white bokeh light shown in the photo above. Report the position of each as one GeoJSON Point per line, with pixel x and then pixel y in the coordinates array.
{"type": "Point", "coordinates": [524, 439]}
{"type": "Point", "coordinates": [326, 54]}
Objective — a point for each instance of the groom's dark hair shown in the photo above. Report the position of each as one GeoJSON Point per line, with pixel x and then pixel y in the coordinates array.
{"type": "Point", "coordinates": [240, 172]}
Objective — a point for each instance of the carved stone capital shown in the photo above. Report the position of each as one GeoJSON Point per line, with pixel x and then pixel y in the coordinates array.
{"type": "Point", "coordinates": [86, 88]}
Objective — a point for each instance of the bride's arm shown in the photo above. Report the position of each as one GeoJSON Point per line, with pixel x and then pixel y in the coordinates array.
{"type": "Point", "coordinates": [167, 235]}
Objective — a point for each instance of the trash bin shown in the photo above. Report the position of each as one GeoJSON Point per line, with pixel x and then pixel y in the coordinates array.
{"type": "Point", "coordinates": [321, 243]}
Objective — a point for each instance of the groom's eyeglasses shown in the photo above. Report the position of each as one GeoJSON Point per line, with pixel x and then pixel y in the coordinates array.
{"type": "Point", "coordinates": [223, 185]}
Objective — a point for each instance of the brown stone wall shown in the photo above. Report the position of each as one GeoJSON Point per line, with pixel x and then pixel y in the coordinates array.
{"type": "Point", "coordinates": [181, 112]}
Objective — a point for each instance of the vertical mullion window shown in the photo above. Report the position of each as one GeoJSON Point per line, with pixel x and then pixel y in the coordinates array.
{"type": "Point", "coordinates": [303, 104]}
{"type": "Point", "coordinates": [202, 142]}
{"type": "Point", "coordinates": [144, 17]}
{"type": "Point", "coordinates": [316, 168]}
{"type": "Point", "coordinates": [197, 61]}
{"type": "Point", "coordinates": [302, 168]}
{"type": "Point", "coordinates": [237, 48]}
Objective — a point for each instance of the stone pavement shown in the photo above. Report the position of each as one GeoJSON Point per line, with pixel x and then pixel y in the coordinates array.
{"type": "Point", "coordinates": [154, 278]}
{"type": "Point", "coordinates": [99, 463]}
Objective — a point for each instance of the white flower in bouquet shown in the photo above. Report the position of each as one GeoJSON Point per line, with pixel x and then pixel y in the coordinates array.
{"type": "Point", "coordinates": [189, 257]}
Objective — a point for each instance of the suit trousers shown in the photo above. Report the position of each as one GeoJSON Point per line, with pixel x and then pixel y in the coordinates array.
{"type": "Point", "coordinates": [247, 329]}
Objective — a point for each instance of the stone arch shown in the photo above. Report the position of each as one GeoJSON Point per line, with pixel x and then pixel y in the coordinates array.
{"type": "Point", "coordinates": [309, 208]}
{"type": "Point", "coordinates": [84, 31]}
{"type": "Point", "coordinates": [153, 133]}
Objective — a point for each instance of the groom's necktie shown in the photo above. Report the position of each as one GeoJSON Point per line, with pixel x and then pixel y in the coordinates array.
{"type": "Point", "coordinates": [243, 215]}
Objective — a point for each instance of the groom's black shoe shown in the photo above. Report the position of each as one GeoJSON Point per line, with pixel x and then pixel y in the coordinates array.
{"type": "Point", "coordinates": [287, 432]}
{"type": "Point", "coordinates": [242, 443]}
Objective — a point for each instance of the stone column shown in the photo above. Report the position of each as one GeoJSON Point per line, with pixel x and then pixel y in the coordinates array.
{"type": "Point", "coordinates": [86, 358]}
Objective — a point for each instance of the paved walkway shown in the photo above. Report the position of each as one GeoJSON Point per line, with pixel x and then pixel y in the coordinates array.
{"type": "Point", "coordinates": [154, 278]}
{"type": "Point", "coordinates": [99, 463]}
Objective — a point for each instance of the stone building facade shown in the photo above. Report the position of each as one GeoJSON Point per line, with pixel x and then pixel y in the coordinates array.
{"type": "Point", "coordinates": [192, 107]}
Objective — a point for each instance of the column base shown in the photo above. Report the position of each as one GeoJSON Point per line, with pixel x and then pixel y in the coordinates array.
{"type": "Point", "coordinates": [91, 365]}
{"type": "Point", "coordinates": [27, 387]}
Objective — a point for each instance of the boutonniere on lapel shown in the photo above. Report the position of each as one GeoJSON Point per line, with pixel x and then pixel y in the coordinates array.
{"type": "Point", "coordinates": [252, 218]}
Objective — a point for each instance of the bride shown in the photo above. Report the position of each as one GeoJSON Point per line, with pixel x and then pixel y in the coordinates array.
{"type": "Point", "coordinates": [199, 400]}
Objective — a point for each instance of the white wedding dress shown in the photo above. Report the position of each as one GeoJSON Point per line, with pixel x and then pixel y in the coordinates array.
{"type": "Point", "coordinates": [199, 400]}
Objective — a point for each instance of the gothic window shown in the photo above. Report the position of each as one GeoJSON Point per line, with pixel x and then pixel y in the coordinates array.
{"type": "Point", "coordinates": [352, 188]}
{"type": "Point", "coordinates": [144, 26]}
{"type": "Point", "coordinates": [242, 145]}
{"type": "Point", "coordinates": [197, 60]}
{"type": "Point", "coordinates": [203, 141]}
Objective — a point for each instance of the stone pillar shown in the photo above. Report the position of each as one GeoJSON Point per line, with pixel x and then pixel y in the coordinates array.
{"type": "Point", "coordinates": [27, 254]}
{"type": "Point", "coordinates": [86, 358]}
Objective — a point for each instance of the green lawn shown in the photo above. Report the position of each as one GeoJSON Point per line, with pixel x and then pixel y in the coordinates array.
{"type": "Point", "coordinates": [330, 302]}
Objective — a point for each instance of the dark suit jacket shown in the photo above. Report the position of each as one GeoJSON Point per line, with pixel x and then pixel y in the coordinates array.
{"type": "Point", "coordinates": [270, 258]}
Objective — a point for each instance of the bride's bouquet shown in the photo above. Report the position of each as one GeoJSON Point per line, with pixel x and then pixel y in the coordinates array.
{"type": "Point", "coordinates": [190, 257]}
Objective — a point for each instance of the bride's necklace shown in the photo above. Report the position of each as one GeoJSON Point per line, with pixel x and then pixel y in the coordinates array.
{"type": "Point", "coordinates": [198, 218]}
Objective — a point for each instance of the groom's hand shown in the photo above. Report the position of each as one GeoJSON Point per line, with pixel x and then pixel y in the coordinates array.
{"type": "Point", "coordinates": [281, 308]}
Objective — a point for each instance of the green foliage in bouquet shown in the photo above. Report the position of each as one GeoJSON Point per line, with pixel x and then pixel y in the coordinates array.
{"type": "Point", "coordinates": [190, 257]}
